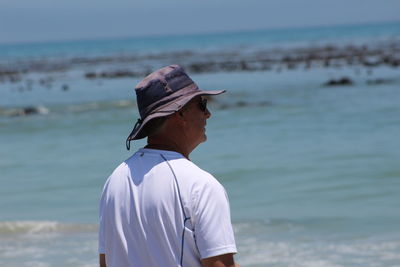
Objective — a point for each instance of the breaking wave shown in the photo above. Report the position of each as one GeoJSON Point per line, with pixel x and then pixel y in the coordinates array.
{"type": "Point", "coordinates": [75, 108]}
{"type": "Point", "coordinates": [43, 227]}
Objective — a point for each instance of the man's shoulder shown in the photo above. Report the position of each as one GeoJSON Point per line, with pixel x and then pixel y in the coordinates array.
{"type": "Point", "coordinates": [118, 177]}
{"type": "Point", "coordinates": [122, 168]}
{"type": "Point", "coordinates": [192, 172]}
{"type": "Point", "coordinates": [188, 167]}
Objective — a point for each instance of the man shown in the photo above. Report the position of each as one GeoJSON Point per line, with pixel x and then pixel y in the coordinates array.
{"type": "Point", "coordinates": [157, 207]}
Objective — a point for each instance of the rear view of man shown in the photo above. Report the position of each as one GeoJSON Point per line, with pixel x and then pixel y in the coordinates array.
{"type": "Point", "coordinates": [158, 208]}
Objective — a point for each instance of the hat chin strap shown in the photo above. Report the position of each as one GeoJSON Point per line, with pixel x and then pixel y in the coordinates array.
{"type": "Point", "coordinates": [128, 140]}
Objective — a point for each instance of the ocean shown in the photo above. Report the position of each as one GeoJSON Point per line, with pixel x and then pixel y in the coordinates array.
{"type": "Point", "coordinates": [305, 141]}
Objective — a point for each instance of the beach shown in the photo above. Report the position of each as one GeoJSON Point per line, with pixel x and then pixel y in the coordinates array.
{"type": "Point", "coordinates": [305, 140]}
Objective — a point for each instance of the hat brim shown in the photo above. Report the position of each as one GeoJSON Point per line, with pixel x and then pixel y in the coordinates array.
{"type": "Point", "coordinates": [169, 109]}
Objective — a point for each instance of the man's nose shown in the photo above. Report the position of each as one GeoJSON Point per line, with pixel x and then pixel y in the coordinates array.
{"type": "Point", "coordinates": [208, 113]}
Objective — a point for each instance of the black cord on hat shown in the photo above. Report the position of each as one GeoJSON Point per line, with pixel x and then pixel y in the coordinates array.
{"type": "Point", "coordinates": [128, 140]}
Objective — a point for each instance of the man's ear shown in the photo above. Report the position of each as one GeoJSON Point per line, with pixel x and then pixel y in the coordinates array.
{"type": "Point", "coordinates": [182, 119]}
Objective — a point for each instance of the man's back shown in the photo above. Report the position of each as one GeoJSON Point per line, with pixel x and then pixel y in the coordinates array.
{"type": "Point", "coordinates": [157, 203]}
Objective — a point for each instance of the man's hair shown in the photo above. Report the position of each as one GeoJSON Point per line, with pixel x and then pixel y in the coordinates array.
{"type": "Point", "coordinates": [154, 126]}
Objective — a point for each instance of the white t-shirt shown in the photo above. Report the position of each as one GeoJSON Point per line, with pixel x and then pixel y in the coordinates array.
{"type": "Point", "coordinates": [143, 209]}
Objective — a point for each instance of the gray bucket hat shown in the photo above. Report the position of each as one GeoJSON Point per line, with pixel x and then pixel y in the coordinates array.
{"type": "Point", "coordinates": [162, 93]}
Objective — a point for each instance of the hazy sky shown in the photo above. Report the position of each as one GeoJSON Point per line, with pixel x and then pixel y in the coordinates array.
{"type": "Point", "coordinates": [42, 20]}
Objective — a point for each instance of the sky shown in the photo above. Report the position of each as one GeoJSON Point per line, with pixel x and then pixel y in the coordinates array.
{"type": "Point", "coordinates": [57, 20]}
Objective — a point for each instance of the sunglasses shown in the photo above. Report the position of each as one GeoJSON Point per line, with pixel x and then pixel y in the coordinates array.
{"type": "Point", "coordinates": [203, 104]}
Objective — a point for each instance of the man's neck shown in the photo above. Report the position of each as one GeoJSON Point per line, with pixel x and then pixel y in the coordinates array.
{"type": "Point", "coordinates": [168, 147]}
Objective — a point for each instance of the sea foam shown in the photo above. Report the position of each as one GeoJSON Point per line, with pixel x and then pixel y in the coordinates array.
{"type": "Point", "coordinates": [43, 227]}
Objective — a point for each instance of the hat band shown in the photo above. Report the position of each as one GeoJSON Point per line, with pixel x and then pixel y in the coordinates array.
{"type": "Point", "coordinates": [168, 100]}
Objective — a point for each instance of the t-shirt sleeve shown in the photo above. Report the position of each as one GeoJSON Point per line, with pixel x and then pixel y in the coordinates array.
{"type": "Point", "coordinates": [212, 220]}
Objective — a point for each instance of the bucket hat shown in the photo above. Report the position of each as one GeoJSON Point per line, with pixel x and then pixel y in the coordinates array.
{"type": "Point", "coordinates": [162, 93]}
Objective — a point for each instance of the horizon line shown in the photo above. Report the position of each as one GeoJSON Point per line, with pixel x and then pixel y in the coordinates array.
{"type": "Point", "coordinates": [199, 33]}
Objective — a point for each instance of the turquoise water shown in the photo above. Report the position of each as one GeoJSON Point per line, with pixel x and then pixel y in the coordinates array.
{"type": "Point", "coordinates": [312, 172]}
{"type": "Point", "coordinates": [201, 42]}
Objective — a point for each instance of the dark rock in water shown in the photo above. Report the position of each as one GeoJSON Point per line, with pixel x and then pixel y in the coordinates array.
{"type": "Point", "coordinates": [15, 78]}
{"type": "Point", "coordinates": [112, 74]}
{"type": "Point", "coordinates": [291, 65]}
{"type": "Point", "coordinates": [340, 82]}
{"type": "Point", "coordinates": [90, 75]}
{"type": "Point", "coordinates": [395, 63]}
{"type": "Point", "coordinates": [378, 81]}
{"type": "Point", "coordinates": [35, 110]}
{"type": "Point", "coordinates": [30, 110]}
{"type": "Point", "coordinates": [65, 87]}
{"type": "Point", "coordinates": [117, 74]}
{"type": "Point", "coordinates": [224, 106]}
{"type": "Point", "coordinates": [244, 65]}
{"type": "Point", "coordinates": [11, 76]}
{"type": "Point", "coordinates": [241, 104]}
{"type": "Point", "coordinates": [25, 111]}
{"type": "Point", "coordinates": [46, 82]}
{"type": "Point", "coordinates": [391, 61]}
